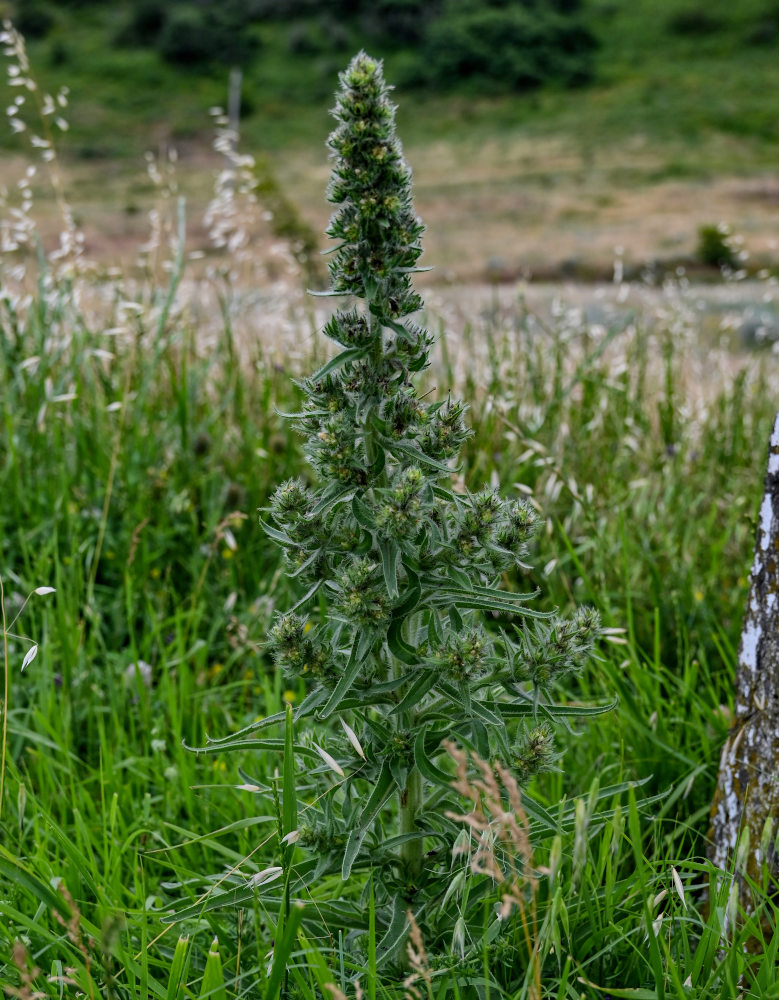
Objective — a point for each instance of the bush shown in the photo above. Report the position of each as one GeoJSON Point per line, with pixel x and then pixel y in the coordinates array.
{"type": "Point", "coordinates": [145, 23]}
{"type": "Point", "coordinates": [512, 47]}
{"type": "Point", "coordinates": [33, 19]}
{"type": "Point", "coordinates": [694, 21]}
{"type": "Point", "coordinates": [765, 30]}
{"type": "Point", "coordinates": [402, 21]}
{"type": "Point", "coordinates": [326, 35]}
{"type": "Point", "coordinates": [715, 247]}
{"type": "Point", "coordinates": [208, 32]}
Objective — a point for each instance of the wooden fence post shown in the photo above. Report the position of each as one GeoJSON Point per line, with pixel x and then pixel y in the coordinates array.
{"type": "Point", "coordinates": [745, 810]}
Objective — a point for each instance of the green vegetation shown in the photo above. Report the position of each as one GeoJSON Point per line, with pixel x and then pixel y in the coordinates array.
{"type": "Point", "coordinates": [656, 73]}
{"type": "Point", "coordinates": [401, 567]}
{"type": "Point", "coordinates": [141, 432]}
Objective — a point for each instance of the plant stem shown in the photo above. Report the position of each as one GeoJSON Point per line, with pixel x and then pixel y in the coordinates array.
{"type": "Point", "coordinates": [411, 852]}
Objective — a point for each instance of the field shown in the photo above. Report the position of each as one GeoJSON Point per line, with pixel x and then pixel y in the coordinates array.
{"type": "Point", "coordinates": [143, 429]}
{"type": "Point", "coordinates": [546, 183]}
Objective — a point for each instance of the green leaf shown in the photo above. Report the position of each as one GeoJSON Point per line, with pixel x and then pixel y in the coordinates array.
{"type": "Point", "coordinates": [308, 705]}
{"type": "Point", "coordinates": [382, 790]}
{"type": "Point", "coordinates": [352, 354]}
{"type": "Point", "coordinates": [486, 715]}
{"type": "Point", "coordinates": [18, 874]}
{"type": "Point", "coordinates": [424, 682]}
{"type": "Point", "coordinates": [378, 466]}
{"type": "Point", "coordinates": [462, 578]}
{"type": "Point", "coordinates": [308, 594]}
{"type": "Point", "coordinates": [384, 787]}
{"type": "Point", "coordinates": [477, 603]}
{"type": "Point", "coordinates": [399, 648]}
{"type": "Point", "coordinates": [289, 789]}
{"type": "Point", "coordinates": [637, 993]}
{"type": "Point", "coordinates": [352, 849]}
{"type": "Point", "coordinates": [523, 709]}
{"type": "Point", "coordinates": [278, 536]}
{"type": "Point", "coordinates": [178, 970]}
{"type": "Point", "coordinates": [332, 496]}
{"type": "Point", "coordinates": [282, 950]}
{"type": "Point", "coordinates": [424, 762]}
{"type": "Point", "coordinates": [395, 933]}
{"type": "Point", "coordinates": [348, 677]}
{"type": "Point", "coordinates": [433, 626]}
{"type": "Point", "coordinates": [416, 454]}
{"type": "Point", "coordinates": [213, 985]}
{"type": "Point", "coordinates": [390, 553]}
{"type": "Point", "coordinates": [363, 514]}
{"type": "Point", "coordinates": [411, 601]}
{"type": "Point", "coordinates": [372, 942]}
{"type": "Point", "coordinates": [537, 812]}
{"type": "Point", "coordinates": [274, 745]}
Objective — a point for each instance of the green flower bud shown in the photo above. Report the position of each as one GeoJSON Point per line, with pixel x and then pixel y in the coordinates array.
{"type": "Point", "coordinates": [464, 656]}
{"type": "Point", "coordinates": [552, 649]}
{"type": "Point", "coordinates": [535, 752]}
{"type": "Point", "coordinates": [349, 328]}
{"type": "Point", "coordinates": [361, 595]}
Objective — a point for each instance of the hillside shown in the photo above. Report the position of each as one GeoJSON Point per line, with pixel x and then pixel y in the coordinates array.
{"type": "Point", "coordinates": [679, 116]}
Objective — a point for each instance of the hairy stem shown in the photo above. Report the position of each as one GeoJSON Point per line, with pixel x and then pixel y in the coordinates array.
{"type": "Point", "coordinates": [412, 852]}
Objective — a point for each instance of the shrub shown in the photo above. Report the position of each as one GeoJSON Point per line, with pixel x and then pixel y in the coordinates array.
{"type": "Point", "coordinates": [715, 246]}
{"type": "Point", "coordinates": [514, 47]}
{"type": "Point", "coordinates": [209, 32]}
{"type": "Point", "coordinates": [400, 22]}
{"type": "Point", "coordinates": [146, 21]}
{"type": "Point", "coordinates": [33, 19]}
{"type": "Point", "coordinates": [765, 29]}
{"type": "Point", "coordinates": [694, 21]}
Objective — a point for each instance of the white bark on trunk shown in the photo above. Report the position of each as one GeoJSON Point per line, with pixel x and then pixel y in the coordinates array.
{"type": "Point", "coordinates": [745, 811]}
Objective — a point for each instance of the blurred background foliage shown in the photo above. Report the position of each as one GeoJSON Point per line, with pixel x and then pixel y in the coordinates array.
{"type": "Point", "coordinates": [600, 67]}
{"type": "Point", "coordinates": [491, 44]}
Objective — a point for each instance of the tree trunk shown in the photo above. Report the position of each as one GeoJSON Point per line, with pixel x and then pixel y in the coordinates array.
{"type": "Point", "coordinates": [745, 811]}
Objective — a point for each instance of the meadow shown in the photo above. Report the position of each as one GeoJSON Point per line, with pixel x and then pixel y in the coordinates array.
{"type": "Point", "coordinates": [143, 429]}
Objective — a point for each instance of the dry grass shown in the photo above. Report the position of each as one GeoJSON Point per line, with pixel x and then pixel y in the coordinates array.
{"type": "Point", "coordinates": [502, 209]}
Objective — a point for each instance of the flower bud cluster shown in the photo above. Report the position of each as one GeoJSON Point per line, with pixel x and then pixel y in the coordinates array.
{"type": "Point", "coordinates": [534, 752]}
{"type": "Point", "coordinates": [521, 522]}
{"type": "Point", "coordinates": [297, 649]}
{"type": "Point", "coordinates": [360, 593]}
{"type": "Point", "coordinates": [479, 520]}
{"type": "Point", "coordinates": [411, 348]}
{"type": "Point", "coordinates": [464, 655]}
{"type": "Point", "coordinates": [553, 649]}
{"type": "Point", "coordinates": [371, 182]}
{"type": "Point", "coordinates": [401, 412]}
{"type": "Point", "coordinates": [400, 514]}
{"type": "Point", "coordinates": [488, 532]}
{"type": "Point", "coordinates": [335, 453]}
{"type": "Point", "coordinates": [445, 432]}
{"type": "Point", "coordinates": [292, 507]}
{"type": "Point", "coordinates": [320, 840]}
{"type": "Point", "coordinates": [349, 328]}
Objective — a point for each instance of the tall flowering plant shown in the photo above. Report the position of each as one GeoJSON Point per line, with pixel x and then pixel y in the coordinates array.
{"type": "Point", "coordinates": [396, 657]}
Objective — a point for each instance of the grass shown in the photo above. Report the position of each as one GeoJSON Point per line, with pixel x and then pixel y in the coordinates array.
{"type": "Point", "coordinates": [141, 517]}
{"type": "Point", "coordinates": [141, 433]}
